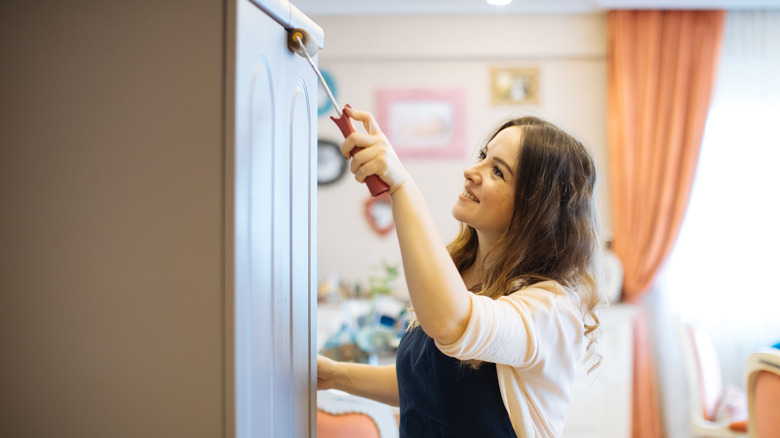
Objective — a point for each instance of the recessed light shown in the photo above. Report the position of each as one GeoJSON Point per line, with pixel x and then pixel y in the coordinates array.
{"type": "Point", "coordinates": [499, 2]}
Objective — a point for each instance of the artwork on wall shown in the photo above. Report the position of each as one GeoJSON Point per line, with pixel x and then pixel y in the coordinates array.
{"type": "Point", "coordinates": [331, 165]}
{"type": "Point", "coordinates": [514, 86]}
{"type": "Point", "coordinates": [324, 107]}
{"type": "Point", "coordinates": [379, 214]}
{"type": "Point", "coordinates": [422, 123]}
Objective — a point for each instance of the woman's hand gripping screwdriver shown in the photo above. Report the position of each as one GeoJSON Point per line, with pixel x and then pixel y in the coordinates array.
{"type": "Point", "coordinates": [375, 185]}
{"type": "Point", "coordinates": [371, 152]}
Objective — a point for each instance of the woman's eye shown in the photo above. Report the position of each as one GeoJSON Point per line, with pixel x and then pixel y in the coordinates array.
{"type": "Point", "coordinates": [497, 172]}
{"type": "Point", "coordinates": [482, 155]}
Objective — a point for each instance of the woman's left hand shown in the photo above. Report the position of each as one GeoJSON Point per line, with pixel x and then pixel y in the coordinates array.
{"type": "Point", "coordinates": [377, 157]}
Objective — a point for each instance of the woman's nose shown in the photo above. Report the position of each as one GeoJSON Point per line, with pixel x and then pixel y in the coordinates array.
{"type": "Point", "coordinates": [472, 173]}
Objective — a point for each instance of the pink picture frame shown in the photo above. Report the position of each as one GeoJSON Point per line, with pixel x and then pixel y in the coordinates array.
{"type": "Point", "coordinates": [423, 123]}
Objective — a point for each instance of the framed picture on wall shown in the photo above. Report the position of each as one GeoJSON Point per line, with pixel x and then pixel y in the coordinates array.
{"type": "Point", "coordinates": [423, 123]}
{"type": "Point", "coordinates": [331, 165]}
{"type": "Point", "coordinates": [514, 86]}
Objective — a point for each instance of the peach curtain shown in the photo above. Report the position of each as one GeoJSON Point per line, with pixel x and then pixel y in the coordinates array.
{"type": "Point", "coordinates": [661, 71]}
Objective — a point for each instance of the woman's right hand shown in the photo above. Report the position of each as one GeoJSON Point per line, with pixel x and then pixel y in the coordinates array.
{"type": "Point", "coordinates": [377, 156]}
{"type": "Point", "coordinates": [326, 372]}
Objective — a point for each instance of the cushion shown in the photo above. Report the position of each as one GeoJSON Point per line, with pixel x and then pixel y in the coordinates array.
{"type": "Point", "coordinates": [348, 425]}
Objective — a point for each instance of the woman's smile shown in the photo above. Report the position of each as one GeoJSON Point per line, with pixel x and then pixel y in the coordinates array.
{"type": "Point", "coordinates": [468, 195]}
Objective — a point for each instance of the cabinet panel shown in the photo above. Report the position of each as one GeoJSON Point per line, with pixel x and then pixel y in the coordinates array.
{"type": "Point", "coordinates": [609, 385]}
{"type": "Point", "coordinates": [280, 193]}
{"type": "Point", "coordinates": [157, 223]}
{"type": "Point", "coordinates": [274, 198]}
{"type": "Point", "coordinates": [302, 286]}
{"type": "Point", "coordinates": [261, 257]}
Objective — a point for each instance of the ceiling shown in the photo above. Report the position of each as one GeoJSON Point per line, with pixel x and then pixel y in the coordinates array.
{"type": "Point", "coordinates": [374, 7]}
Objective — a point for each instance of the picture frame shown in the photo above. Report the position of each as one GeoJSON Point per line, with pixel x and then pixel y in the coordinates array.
{"type": "Point", "coordinates": [379, 214]}
{"type": "Point", "coordinates": [424, 123]}
{"type": "Point", "coordinates": [514, 85]}
{"type": "Point", "coordinates": [331, 165]}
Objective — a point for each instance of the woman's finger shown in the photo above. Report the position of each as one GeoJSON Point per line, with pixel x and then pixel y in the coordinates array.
{"type": "Point", "coordinates": [370, 168]}
{"type": "Point", "coordinates": [367, 162]}
{"type": "Point", "coordinates": [360, 140]}
{"type": "Point", "coordinates": [379, 162]}
{"type": "Point", "coordinates": [362, 157]}
{"type": "Point", "coordinates": [369, 122]}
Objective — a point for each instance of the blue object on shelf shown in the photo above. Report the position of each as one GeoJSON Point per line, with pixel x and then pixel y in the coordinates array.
{"type": "Point", "coordinates": [325, 106]}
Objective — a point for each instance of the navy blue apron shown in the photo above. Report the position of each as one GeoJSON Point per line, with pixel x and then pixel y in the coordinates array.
{"type": "Point", "coordinates": [440, 397]}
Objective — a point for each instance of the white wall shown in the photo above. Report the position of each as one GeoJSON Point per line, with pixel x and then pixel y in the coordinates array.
{"type": "Point", "coordinates": [367, 53]}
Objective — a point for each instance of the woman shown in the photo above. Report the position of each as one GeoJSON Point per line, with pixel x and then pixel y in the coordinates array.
{"type": "Point", "coordinates": [502, 313]}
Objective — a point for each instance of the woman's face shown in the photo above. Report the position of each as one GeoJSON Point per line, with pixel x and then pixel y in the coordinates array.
{"type": "Point", "coordinates": [487, 201]}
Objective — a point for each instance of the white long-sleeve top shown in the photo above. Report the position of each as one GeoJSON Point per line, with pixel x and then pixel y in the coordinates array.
{"type": "Point", "coordinates": [535, 336]}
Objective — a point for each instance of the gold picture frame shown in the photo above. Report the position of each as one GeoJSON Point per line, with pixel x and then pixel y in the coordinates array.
{"type": "Point", "coordinates": [514, 86]}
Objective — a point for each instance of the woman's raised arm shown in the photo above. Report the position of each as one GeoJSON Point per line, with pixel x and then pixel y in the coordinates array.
{"type": "Point", "coordinates": [439, 295]}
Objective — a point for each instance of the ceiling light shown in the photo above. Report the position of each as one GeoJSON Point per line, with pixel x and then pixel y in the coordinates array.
{"type": "Point", "coordinates": [499, 2]}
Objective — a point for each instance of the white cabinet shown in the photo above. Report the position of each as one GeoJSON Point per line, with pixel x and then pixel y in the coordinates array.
{"type": "Point", "coordinates": [158, 220]}
{"type": "Point", "coordinates": [275, 223]}
{"type": "Point", "coordinates": [600, 404]}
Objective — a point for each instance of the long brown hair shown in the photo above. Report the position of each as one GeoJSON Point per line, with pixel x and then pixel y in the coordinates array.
{"type": "Point", "coordinates": [553, 231]}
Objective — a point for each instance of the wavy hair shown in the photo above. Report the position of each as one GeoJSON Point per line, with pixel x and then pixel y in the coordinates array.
{"type": "Point", "coordinates": [553, 231]}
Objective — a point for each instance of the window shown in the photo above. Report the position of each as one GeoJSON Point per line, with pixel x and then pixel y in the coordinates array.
{"type": "Point", "coordinates": [723, 273]}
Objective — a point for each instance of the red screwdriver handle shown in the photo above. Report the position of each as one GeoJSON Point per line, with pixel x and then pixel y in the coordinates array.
{"type": "Point", "coordinates": [375, 185]}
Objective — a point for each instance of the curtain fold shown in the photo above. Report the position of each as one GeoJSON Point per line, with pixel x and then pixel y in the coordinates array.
{"type": "Point", "coordinates": [661, 71]}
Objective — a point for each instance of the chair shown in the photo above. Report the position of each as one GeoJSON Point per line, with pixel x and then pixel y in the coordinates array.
{"type": "Point", "coordinates": [705, 385]}
{"type": "Point", "coordinates": [341, 415]}
{"type": "Point", "coordinates": [763, 388]}
{"type": "Point", "coordinates": [347, 425]}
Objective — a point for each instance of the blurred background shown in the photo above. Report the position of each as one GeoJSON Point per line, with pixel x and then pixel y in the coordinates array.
{"type": "Point", "coordinates": [718, 276]}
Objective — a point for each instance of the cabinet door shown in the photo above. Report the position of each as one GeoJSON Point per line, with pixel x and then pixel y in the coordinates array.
{"type": "Point", "coordinates": [275, 219]}
{"type": "Point", "coordinates": [609, 385]}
